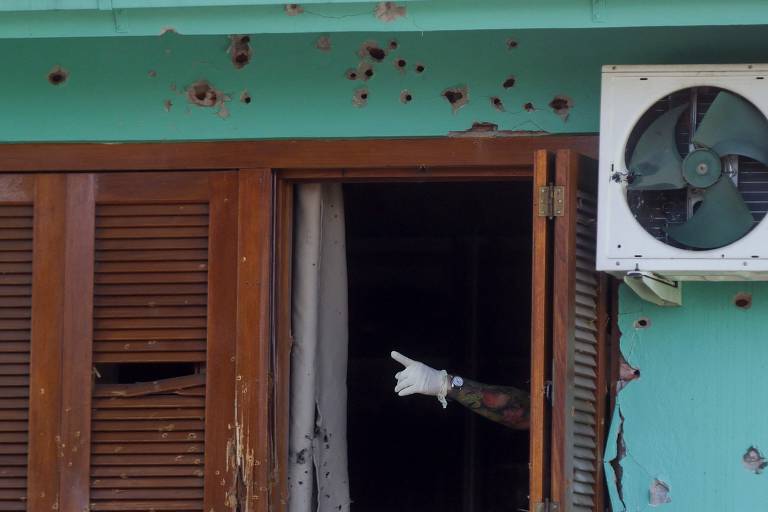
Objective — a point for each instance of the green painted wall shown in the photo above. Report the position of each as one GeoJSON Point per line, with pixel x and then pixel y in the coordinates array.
{"type": "Point", "coordinates": [117, 87]}
{"type": "Point", "coordinates": [700, 402]}
{"type": "Point", "coordinates": [75, 18]}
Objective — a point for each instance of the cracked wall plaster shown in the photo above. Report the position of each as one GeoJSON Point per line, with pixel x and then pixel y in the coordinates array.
{"type": "Point", "coordinates": [693, 421]}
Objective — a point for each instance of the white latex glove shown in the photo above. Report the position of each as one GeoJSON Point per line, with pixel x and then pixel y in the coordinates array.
{"type": "Point", "coordinates": [420, 378]}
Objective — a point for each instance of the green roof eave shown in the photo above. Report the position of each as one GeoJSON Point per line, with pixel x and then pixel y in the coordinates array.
{"type": "Point", "coordinates": [79, 18]}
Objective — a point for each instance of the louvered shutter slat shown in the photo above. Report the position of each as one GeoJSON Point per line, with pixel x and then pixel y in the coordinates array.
{"type": "Point", "coordinates": [150, 306]}
{"type": "Point", "coordinates": [15, 312]}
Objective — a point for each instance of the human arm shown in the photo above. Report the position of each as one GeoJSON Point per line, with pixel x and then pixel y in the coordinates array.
{"type": "Point", "coordinates": [506, 405]}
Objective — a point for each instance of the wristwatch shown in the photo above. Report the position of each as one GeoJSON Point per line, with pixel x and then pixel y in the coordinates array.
{"type": "Point", "coordinates": [457, 382]}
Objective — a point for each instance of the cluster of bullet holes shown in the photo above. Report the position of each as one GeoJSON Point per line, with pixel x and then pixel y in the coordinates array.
{"type": "Point", "coordinates": [754, 461]}
{"type": "Point", "coordinates": [240, 50]}
{"type": "Point", "coordinates": [743, 300]}
{"type": "Point", "coordinates": [371, 54]}
{"type": "Point", "coordinates": [58, 75]}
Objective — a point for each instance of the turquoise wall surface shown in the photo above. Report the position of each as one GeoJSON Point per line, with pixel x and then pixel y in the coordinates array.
{"type": "Point", "coordinates": [700, 402]}
{"type": "Point", "coordinates": [119, 89]}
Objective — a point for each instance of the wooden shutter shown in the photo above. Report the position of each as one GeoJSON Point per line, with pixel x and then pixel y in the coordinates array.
{"type": "Point", "coordinates": [165, 305]}
{"type": "Point", "coordinates": [578, 334]}
{"type": "Point", "coordinates": [16, 243]}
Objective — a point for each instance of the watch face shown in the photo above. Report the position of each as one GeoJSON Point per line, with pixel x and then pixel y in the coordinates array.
{"type": "Point", "coordinates": [457, 382]}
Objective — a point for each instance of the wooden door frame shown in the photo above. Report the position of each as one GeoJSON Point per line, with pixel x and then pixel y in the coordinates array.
{"type": "Point", "coordinates": [270, 168]}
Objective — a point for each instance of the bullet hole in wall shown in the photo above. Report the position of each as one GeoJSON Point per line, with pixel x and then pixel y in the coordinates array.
{"type": "Point", "coordinates": [151, 73]}
{"type": "Point", "coordinates": [167, 104]}
{"type": "Point", "coordinates": [561, 105]}
{"type": "Point", "coordinates": [389, 11]}
{"type": "Point", "coordinates": [400, 64]}
{"type": "Point", "coordinates": [240, 50]}
{"type": "Point", "coordinates": [371, 49]}
{"type": "Point", "coordinates": [743, 300]}
{"type": "Point", "coordinates": [497, 103]}
{"type": "Point", "coordinates": [203, 94]}
{"type": "Point", "coordinates": [393, 45]}
{"type": "Point", "coordinates": [456, 96]}
{"type": "Point", "coordinates": [509, 82]}
{"type": "Point", "coordinates": [365, 71]}
{"type": "Point", "coordinates": [245, 97]}
{"type": "Point", "coordinates": [511, 44]}
{"type": "Point", "coordinates": [754, 461]}
{"type": "Point", "coordinates": [406, 97]}
{"type": "Point", "coordinates": [58, 75]}
{"type": "Point", "coordinates": [528, 107]}
{"type": "Point", "coordinates": [659, 493]}
{"type": "Point", "coordinates": [293, 9]}
{"type": "Point", "coordinates": [419, 68]}
{"type": "Point", "coordinates": [351, 74]}
{"type": "Point", "coordinates": [627, 373]}
{"type": "Point", "coordinates": [642, 323]}
{"type": "Point", "coordinates": [323, 43]}
{"type": "Point", "coordinates": [360, 98]}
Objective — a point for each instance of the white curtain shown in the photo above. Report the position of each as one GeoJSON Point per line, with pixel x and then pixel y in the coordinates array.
{"type": "Point", "coordinates": [317, 471]}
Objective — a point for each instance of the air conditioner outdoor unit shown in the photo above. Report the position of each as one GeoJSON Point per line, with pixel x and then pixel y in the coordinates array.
{"type": "Point", "coordinates": [684, 172]}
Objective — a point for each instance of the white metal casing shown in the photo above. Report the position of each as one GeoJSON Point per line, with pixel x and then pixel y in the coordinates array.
{"type": "Point", "coordinates": [622, 243]}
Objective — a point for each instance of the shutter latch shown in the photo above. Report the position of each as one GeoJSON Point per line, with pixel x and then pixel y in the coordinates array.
{"type": "Point", "coordinates": [547, 506]}
{"type": "Point", "coordinates": [551, 201]}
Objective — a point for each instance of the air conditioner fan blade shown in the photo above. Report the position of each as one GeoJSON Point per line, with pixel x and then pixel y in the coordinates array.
{"type": "Point", "coordinates": [722, 218]}
{"type": "Point", "coordinates": [655, 162]}
{"type": "Point", "coordinates": [733, 126]}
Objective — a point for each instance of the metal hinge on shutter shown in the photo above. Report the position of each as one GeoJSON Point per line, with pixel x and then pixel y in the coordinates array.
{"type": "Point", "coordinates": [547, 506]}
{"type": "Point", "coordinates": [551, 201]}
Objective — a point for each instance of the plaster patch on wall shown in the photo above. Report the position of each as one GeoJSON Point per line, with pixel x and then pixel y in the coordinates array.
{"type": "Point", "coordinates": [57, 75]}
{"type": "Point", "coordinates": [240, 50]}
{"type": "Point", "coordinates": [293, 9]}
{"type": "Point", "coordinates": [754, 461]}
{"type": "Point", "coordinates": [323, 43]}
{"type": "Point", "coordinates": [389, 11]}
{"type": "Point", "coordinates": [457, 96]}
{"type": "Point", "coordinates": [659, 493]}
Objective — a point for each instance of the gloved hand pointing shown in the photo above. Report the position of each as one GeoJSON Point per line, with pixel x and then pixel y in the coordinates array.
{"type": "Point", "coordinates": [420, 378]}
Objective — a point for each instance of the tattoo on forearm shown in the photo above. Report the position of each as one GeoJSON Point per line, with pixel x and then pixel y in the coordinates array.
{"type": "Point", "coordinates": [505, 405]}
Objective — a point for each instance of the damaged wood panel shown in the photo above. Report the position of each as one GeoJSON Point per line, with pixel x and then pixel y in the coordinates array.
{"type": "Point", "coordinates": [16, 281]}
{"type": "Point", "coordinates": [253, 443]}
{"type": "Point", "coordinates": [220, 465]}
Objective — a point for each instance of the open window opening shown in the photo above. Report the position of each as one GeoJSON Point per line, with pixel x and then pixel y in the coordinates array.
{"type": "Point", "coordinates": [442, 273]}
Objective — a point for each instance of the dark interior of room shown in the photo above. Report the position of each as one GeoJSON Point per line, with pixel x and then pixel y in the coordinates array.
{"type": "Point", "coordinates": [441, 273]}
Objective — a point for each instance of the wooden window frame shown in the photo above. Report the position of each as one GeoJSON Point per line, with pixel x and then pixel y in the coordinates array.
{"type": "Point", "coordinates": [268, 169]}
